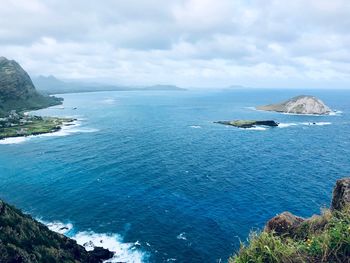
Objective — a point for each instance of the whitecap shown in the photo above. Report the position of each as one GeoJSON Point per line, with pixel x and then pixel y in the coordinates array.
{"type": "Point", "coordinates": [59, 227]}
{"type": "Point", "coordinates": [108, 101]}
{"type": "Point", "coordinates": [316, 123]}
{"type": "Point", "coordinates": [323, 123]}
{"type": "Point", "coordinates": [250, 108]}
{"type": "Point", "coordinates": [123, 252]}
{"type": "Point", "coordinates": [182, 236]}
{"type": "Point", "coordinates": [196, 127]}
{"type": "Point", "coordinates": [303, 114]}
{"type": "Point", "coordinates": [286, 125]}
{"type": "Point", "coordinates": [256, 128]}
{"type": "Point", "coordinates": [13, 140]}
{"type": "Point", "coordinates": [336, 113]}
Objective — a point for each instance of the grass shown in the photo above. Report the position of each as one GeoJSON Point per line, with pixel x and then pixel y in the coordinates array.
{"type": "Point", "coordinates": [35, 127]}
{"type": "Point", "coordinates": [324, 238]}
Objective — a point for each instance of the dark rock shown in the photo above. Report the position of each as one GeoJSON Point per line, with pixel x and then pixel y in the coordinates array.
{"type": "Point", "coordinates": [284, 223]}
{"type": "Point", "coordinates": [341, 194]}
{"type": "Point", "coordinates": [100, 254]}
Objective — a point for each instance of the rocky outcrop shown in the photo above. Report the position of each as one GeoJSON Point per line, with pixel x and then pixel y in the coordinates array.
{"type": "Point", "coordinates": [284, 223]}
{"type": "Point", "coordinates": [289, 224]}
{"type": "Point", "coordinates": [23, 239]}
{"type": "Point", "coordinates": [341, 194]}
{"type": "Point", "coordinates": [299, 105]}
{"type": "Point", "coordinates": [248, 123]}
{"type": "Point", "coordinates": [17, 91]}
{"type": "Point", "coordinates": [286, 238]}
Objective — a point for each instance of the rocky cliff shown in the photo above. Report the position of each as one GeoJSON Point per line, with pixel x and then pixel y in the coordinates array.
{"type": "Point", "coordinates": [299, 105]}
{"type": "Point", "coordinates": [17, 91]}
{"type": "Point", "coordinates": [23, 239]}
{"type": "Point", "coordinates": [289, 238]}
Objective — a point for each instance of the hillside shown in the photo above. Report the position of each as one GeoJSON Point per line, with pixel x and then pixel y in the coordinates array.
{"type": "Point", "coordinates": [22, 239]}
{"type": "Point", "coordinates": [17, 91]}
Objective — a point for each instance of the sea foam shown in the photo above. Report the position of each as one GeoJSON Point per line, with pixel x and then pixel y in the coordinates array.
{"type": "Point", "coordinates": [316, 123]}
{"type": "Point", "coordinates": [13, 140]}
{"type": "Point", "coordinates": [256, 128]}
{"type": "Point", "coordinates": [123, 252]}
{"type": "Point", "coordinates": [286, 125]}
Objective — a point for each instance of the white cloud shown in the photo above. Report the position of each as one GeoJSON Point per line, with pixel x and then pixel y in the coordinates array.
{"type": "Point", "coordinates": [184, 42]}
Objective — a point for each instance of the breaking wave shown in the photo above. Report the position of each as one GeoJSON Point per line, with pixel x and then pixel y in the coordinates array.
{"type": "Point", "coordinates": [123, 252]}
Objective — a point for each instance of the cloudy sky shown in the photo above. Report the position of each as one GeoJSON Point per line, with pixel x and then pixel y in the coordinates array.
{"type": "Point", "coordinates": [190, 43]}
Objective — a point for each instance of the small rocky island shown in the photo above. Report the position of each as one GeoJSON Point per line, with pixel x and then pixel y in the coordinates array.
{"type": "Point", "coordinates": [248, 123]}
{"type": "Point", "coordinates": [303, 104]}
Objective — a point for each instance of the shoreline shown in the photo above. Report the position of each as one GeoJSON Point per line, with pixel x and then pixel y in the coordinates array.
{"type": "Point", "coordinates": [18, 138]}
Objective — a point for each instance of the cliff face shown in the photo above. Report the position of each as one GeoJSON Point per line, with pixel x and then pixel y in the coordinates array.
{"type": "Point", "coordinates": [22, 239]}
{"type": "Point", "coordinates": [17, 91]}
{"type": "Point", "coordinates": [299, 105]}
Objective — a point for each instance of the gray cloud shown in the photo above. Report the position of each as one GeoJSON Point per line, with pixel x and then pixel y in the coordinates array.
{"type": "Point", "coordinates": [185, 42]}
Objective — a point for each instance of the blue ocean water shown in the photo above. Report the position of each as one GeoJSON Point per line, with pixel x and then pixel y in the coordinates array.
{"type": "Point", "coordinates": [154, 171]}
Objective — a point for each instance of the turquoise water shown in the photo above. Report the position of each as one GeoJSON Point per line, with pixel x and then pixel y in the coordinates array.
{"type": "Point", "coordinates": [150, 175]}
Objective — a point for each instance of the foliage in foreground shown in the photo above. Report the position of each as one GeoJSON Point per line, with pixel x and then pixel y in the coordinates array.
{"type": "Point", "coordinates": [324, 238]}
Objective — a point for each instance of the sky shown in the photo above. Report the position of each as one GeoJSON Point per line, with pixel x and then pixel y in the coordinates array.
{"type": "Point", "coordinates": [189, 43]}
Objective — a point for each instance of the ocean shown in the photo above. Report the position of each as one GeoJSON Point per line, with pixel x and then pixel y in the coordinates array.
{"type": "Point", "coordinates": [150, 176]}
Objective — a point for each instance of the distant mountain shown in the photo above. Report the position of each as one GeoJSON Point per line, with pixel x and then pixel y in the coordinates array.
{"type": "Point", "coordinates": [43, 83]}
{"type": "Point", "coordinates": [163, 87]}
{"type": "Point", "coordinates": [52, 85]}
{"type": "Point", "coordinates": [17, 91]}
{"type": "Point", "coordinates": [23, 239]}
{"type": "Point", "coordinates": [237, 87]}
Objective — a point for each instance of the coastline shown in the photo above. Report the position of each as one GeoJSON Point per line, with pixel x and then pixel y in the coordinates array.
{"type": "Point", "coordinates": [65, 129]}
{"type": "Point", "coordinates": [48, 125]}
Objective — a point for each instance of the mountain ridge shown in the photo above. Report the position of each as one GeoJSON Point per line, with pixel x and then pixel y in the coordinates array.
{"type": "Point", "coordinates": [17, 91]}
{"type": "Point", "coordinates": [52, 85]}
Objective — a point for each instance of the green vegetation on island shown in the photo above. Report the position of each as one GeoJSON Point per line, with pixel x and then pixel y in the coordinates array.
{"type": "Point", "coordinates": [25, 240]}
{"type": "Point", "coordinates": [248, 123]}
{"type": "Point", "coordinates": [290, 239]}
